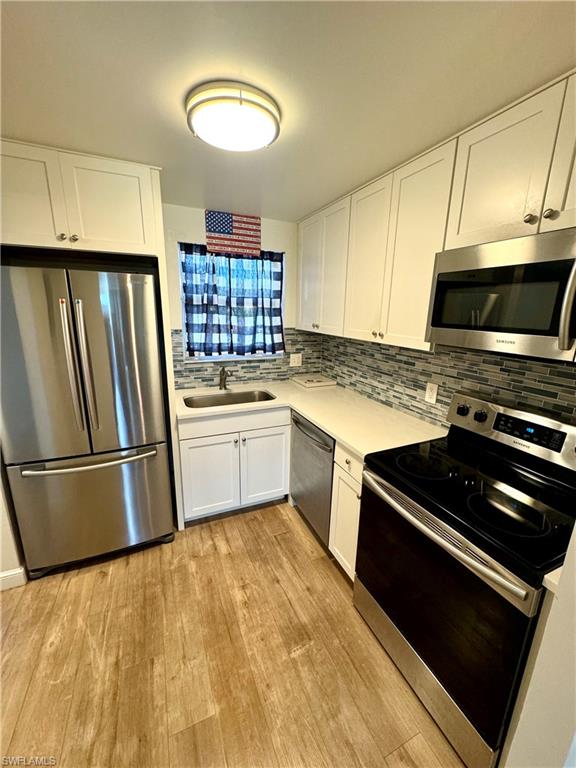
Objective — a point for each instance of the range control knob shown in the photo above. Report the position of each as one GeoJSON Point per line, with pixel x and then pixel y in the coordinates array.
{"type": "Point", "coordinates": [480, 416]}
{"type": "Point", "coordinates": [462, 409]}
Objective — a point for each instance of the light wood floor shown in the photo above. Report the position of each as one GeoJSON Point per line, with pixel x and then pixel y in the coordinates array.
{"type": "Point", "coordinates": [237, 645]}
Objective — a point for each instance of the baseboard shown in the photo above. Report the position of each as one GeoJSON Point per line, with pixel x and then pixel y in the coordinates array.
{"type": "Point", "coordinates": [14, 578]}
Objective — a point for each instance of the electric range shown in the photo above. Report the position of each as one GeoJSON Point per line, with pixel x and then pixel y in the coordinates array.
{"type": "Point", "coordinates": [455, 537]}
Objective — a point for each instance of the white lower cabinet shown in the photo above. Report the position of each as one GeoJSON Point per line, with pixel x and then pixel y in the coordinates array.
{"type": "Point", "coordinates": [224, 472]}
{"type": "Point", "coordinates": [210, 474]}
{"type": "Point", "coordinates": [264, 464]}
{"type": "Point", "coordinates": [344, 519]}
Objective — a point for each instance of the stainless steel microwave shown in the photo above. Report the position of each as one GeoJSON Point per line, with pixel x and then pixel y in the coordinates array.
{"type": "Point", "coordinates": [514, 296]}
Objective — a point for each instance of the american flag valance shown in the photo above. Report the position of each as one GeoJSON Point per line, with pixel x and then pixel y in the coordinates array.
{"type": "Point", "coordinates": [232, 233]}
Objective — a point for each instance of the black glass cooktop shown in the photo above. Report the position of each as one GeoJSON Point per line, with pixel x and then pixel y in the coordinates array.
{"type": "Point", "coordinates": [520, 511]}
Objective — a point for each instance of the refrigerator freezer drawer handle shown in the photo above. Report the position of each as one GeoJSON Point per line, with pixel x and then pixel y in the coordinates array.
{"type": "Point", "coordinates": [86, 364]}
{"type": "Point", "coordinates": [70, 365]}
{"type": "Point", "coordinates": [87, 467]}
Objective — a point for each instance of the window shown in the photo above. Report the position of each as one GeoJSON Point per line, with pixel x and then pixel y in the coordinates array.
{"type": "Point", "coordinates": [232, 304]}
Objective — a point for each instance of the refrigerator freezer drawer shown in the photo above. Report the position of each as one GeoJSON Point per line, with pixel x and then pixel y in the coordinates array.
{"type": "Point", "coordinates": [77, 508]}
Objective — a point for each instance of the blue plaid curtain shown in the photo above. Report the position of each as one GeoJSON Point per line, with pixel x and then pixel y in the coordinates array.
{"type": "Point", "coordinates": [232, 304]}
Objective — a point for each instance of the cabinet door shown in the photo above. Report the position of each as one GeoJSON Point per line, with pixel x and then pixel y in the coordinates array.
{"type": "Point", "coordinates": [334, 261]}
{"type": "Point", "coordinates": [33, 208]}
{"type": "Point", "coordinates": [210, 475]}
{"type": "Point", "coordinates": [501, 172]}
{"type": "Point", "coordinates": [264, 464]}
{"type": "Point", "coordinates": [560, 202]}
{"type": "Point", "coordinates": [310, 272]}
{"type": "Point", "coordinates": [109, 203]}
{"type": "Point", "coordinates": [420, 197]}
{"type": "Point", "coordinates": [369, 219]}
{"type": "Point", "coordinates": [344, 519]}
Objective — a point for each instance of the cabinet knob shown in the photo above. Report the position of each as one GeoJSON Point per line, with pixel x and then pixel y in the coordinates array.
{"type": "Point", "coordinates": [550, 213]}
{"type": "Point", "coordinates": [74, 238]}
{"type": "Point", "coordinates": [374, 334]}
{"type": "Point", "coordinates": [348, 462]}
{"type": "Point", "coordinates": [61, 236]}
{"type": "Point", "coordinates": [244, 441]}
{"type": "Point", "coordinates": [235, 441]}
{"type": "Point", "coordinates": [358, 496]}
{"type": "Point", "coordinates": [381, 335]}
{"type": "Point", "coordinates": [530, 218]}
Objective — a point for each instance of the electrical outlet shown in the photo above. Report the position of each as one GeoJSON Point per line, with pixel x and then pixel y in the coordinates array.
{"type": "Point", "coordinates": [431, 392]}
{"type": "Point", "coordinates": [295, 359]}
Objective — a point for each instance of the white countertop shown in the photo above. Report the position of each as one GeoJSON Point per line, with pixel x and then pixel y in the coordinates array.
{"type": "Point", "coordinates": [354, 421]}
{"type": "Point", "coordinates": [359, 424]}
{"type": "Point", "coordinates": [552, 579]}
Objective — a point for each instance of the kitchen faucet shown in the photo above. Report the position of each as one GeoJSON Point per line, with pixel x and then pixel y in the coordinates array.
{"type": "Point", "coordinates": [224, 374]}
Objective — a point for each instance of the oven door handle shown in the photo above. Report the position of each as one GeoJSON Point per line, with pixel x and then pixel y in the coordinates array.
{"type": "Point", "coordinates": [564, 340]}
{"type": "Point", "coordinates": [491, 575]}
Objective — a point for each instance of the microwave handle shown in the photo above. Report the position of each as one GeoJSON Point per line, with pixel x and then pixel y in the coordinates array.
{"type": "Point", "coordinates": [564, 340]}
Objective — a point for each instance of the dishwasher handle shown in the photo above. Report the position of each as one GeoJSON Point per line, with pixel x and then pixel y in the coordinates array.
{"type": "Point", "coordinates": [298, 424]}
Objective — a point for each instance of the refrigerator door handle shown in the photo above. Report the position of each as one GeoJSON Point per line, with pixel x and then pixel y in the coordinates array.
{"type": "Point", "coordinates": [87, 467]}
{"type": "Point", "coordinates": [86, 364]}
{"type": "Point", "coordinates": [70, 365]}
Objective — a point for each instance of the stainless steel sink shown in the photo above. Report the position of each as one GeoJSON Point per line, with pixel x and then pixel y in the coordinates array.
{"type": "Point", "coordinates": [228, 398]}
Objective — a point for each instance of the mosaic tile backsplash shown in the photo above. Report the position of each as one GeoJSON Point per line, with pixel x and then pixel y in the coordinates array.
{"type": "Point", "coordinates": [397, 377]}
{"type": "Point", "coordinates": [190, 373]}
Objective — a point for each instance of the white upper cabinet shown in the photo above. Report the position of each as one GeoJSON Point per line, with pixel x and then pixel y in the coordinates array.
{"type": "Point", "coordinates": [334, 260]}
{"type": "Point", "coordinates": [311, 235]}
{"type": "Point", "coordinates": [501, 171]}
{"type": "Point", "coordinates": [33, 208]}
{"type": "Point", "coordinates": [60, 199]}
{"type": "Point", "coordinates": [418, 214]}
{"type": "Point", "coordinates": [369, 219]}
{"type": "Point", "coordinates": [110, 204]}
{"type": "Point", "coordinates": [560, 201]}
{"type": "Point", "coordinates": [323, 256]}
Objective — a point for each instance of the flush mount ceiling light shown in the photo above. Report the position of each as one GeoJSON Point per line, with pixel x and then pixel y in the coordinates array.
{"type": "Point", "coordinates": [233, 116]}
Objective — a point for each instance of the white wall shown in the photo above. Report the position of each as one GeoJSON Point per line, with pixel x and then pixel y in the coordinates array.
{"type": "Point", "coordinates": [11, 571]}
{"type": "Point", "coordinates": [544, 722]}
{"type": "Point", "coordinates": [182, 224]}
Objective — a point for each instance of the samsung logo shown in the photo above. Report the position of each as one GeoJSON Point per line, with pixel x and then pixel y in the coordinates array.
{"type": "Point", "coordinates": [522, 444]}
{"type": "Point", "coordinates": [504, 341]}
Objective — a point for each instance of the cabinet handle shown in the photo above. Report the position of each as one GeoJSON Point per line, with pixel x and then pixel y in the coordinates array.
{"type": "Point", "coordinates": [381, 334]}
{"type": "Point", "coordinates": [374, 334]}
{"type": "Point", "coordinates": [74, 238]}
{"type": "Point", "coordinates": [243, 441]}
{"type": "Point", "coordinates": [61, 236]}
{"type": "Point", "coordinates": [235, 441]}
{"type": "Point", "coordinates": [358, 496]}
{"type": "Point", "coordinates": [348, 462]}
{"type": "Point", "coordinates": [530, 218]}
{"type": "Point", "coordinates": [550, 213]}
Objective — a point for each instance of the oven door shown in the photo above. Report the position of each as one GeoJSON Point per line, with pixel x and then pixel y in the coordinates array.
{"type": "Point", "coordinates": [514, 296]}
{"type": "Point", "coordinates": [456, 624]}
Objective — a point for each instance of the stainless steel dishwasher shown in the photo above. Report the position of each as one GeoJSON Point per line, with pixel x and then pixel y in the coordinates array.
{"type": "Point", "coordinates": [312, 454]}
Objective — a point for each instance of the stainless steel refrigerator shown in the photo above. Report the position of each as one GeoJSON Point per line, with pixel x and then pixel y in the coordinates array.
{"type": "Point", "coordinates": [83, 418]}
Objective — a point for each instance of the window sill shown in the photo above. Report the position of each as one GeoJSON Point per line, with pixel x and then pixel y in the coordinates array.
{"type": "Point", "coordinates": [233, 358]}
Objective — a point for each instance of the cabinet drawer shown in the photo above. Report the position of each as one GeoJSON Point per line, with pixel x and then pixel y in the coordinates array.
{"type": "Point", "coordinates": [349, 462]}
{"type": "Point", "coordinates": [222, 424]}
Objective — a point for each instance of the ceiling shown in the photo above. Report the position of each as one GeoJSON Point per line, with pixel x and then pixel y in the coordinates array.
{"type": "Point", "coordinates": [362, 86]}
